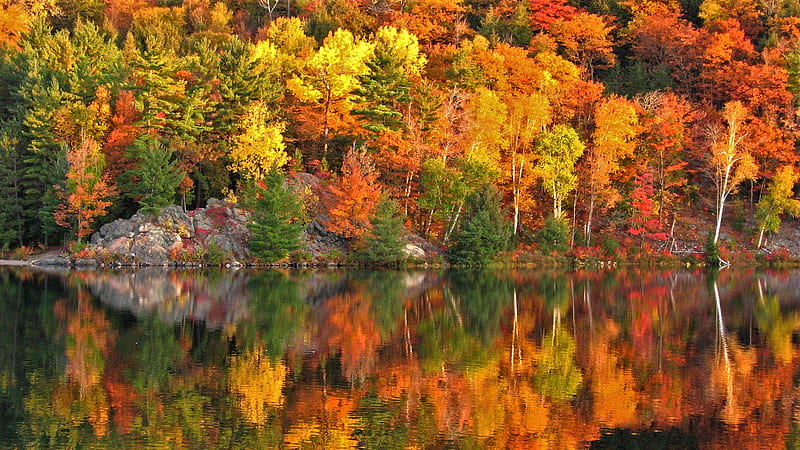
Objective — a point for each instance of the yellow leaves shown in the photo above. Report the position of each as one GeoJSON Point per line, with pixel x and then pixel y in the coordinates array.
{"type": "Point", "coordinates": [304, 92]}
{"type": "Point", "coordinates": [585, 38]}
{"type": "Point", "coordinates": [338, 63]}
{"type": "Point", "coordinates": [616, 126]}
{"type": "Point", "coordinates": [404, 46]}
{"type": "Point", "coordinates": [488, 132]}
{"type": "Point", "coordinates": [284, 48]}
{"type": "Point", "coordinates": [13, 24]}
{"type": "Point", "coordinates": [614, 393]}
{"type": "Point", "coordinates": [258, 382]}
{"type": "Point", "coordinates": [260, 147]}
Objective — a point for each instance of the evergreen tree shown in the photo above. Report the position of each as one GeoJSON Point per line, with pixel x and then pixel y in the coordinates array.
{"type": "Point", "coordinates": [485, 232]}
{"type": "Point", "coordinates": [384, 242]}
{"type": "Point", "coordinates": [154, 182]}
{"type": "Point", "coordinates": [276, 222]}
{"type": "Point", "coordinates": [11, 208]}
{"type": "Point", "coordinates": [383, 90]}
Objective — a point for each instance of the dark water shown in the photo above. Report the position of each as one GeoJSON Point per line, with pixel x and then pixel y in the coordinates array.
{"type": "Point", "coordinates": [524, 359]}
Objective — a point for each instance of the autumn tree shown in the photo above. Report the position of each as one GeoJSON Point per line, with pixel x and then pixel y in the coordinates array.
{"type": "Point", "coordinates": [259, 148]}
{"type": "Point", "coordinates": [557, 151]}
{"type": "Point", "coordinates": [586, 40]}
{"type": "Point", "coordinates": [616, 126]}
{"type": "Point", "coordinates": [777, 200]}
{"type": "Point", "coordinates": [327, 82]}
{"type": "Point", "coordinates": [528, 115]}
{"type": "Point", "coordinates": [353, 196]}
{"type": "Point", "coordinates": [664, 136]}
{"type": "Point", "coordinates": [729, 162]}
{"type": "Point", "coordinates": [665, 44]}
{"type": "Point", "coordinates": [87, 189]}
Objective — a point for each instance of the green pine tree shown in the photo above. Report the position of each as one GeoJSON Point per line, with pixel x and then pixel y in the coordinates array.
{"type": "Point", "coordinates": [384, 242]}
{"type": "Point", "coordinates": [383, 90]}
{"type": "Point", "coordinates": [154, 182]}
{"type": "Point", "coordinates": [11, 208]}
{"type": "Point", "coordinates": [276, 221]}
{"type": "Point", "coordinates": [485, 232]}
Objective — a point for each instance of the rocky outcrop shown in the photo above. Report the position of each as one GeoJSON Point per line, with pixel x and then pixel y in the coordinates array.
{"type": "Point", "coordinates": [158, 240]}
{"type": "Point", "coordinates": [220, 231]}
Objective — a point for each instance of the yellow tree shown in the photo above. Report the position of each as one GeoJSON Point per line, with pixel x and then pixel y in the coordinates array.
{"type": "Point", "coordinates": [259, 148]}
{"type": "Point", "coordinates": [557, 151]}
{"type": "Point", "coordinates": [488, 129]}
{"type": "Point", "coordinates": [329, 78]}
{"type": "Point", "coordinates": [778, 200]}
{"type": "Point", "coordinates": [616, 126]}
{"type": "Point", "coordinates": [528, 115]}
{"type": "Point", "coordinates": [258, 383]}
{"type": "Point", "coordinates": [729, 163]}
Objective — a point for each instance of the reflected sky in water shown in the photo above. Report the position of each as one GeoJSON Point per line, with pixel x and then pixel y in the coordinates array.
{"type": "Point", "coordinates": [508, 359]}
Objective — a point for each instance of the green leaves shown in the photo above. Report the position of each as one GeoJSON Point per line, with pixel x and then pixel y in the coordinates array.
{"type": "Point", "coordinates": [154, 182]}
{"type": "Point", "coordinates": [485, 233]}
{"type": "Point", "coordinates": [276, 219]}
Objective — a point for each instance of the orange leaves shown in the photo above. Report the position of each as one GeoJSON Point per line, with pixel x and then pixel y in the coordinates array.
{"type": "Point", "coordinates": [87, 190]}
{"type": "Point", "coordinates": [353, 197]}
{"type": "Point", "coordinates": [586, 39]}
{"type": "Point", "coordinates": [13, 23]}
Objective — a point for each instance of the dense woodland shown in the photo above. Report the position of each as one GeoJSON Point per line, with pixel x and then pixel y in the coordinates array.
{"type": "Point", "coordinates": [477, 123]}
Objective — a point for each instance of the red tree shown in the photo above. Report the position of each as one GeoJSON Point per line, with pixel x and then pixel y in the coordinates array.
{"type": "Point", "coordinates": [353, 197]}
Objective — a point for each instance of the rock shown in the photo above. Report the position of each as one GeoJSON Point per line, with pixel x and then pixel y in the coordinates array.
{"type": "Point", "coordinates": [150, 240]}
{"type": "Point", "coordinates": [224, 227]}
{"type": "Point", "coordinates": [154, 247]}
{"type": "Point", "coordinates": [114, 230]}
{"type": "Point", "coordinates": [52, 261]}
{"type": "Point", "coordinates": [413, 251]}
{"type": "Point", "coordinates": [82, 262]}
{"type": "Point", "coordinates": [419, 248]}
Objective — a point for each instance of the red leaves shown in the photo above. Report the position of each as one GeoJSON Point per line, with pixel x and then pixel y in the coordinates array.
{"type": "Point", "coordinates": [353, 197]}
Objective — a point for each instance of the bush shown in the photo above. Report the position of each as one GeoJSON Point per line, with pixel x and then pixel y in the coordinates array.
{"type": "Point", "coordinates": [21, 252]}
{"type": "Point", "coordinates": [554, 236]}
{"type": "Point", "coordinates": [712, 250]}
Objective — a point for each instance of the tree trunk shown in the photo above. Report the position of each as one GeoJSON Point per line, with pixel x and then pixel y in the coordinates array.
{"type": "Point", "coordinates": [455, 221]}
{"type": "Point", "coordinates": [590, 215]}
{"type": "Point", "coordinates": [574, 220]}
{"type": "Point", "coordinates": [719, 221]}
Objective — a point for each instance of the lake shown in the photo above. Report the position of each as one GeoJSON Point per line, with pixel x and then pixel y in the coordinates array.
{"type": "Point", "coordinates": [482, 359]}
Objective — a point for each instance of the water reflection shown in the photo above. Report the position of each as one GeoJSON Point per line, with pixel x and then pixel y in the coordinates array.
{"type": "Point", "coordinates": [517, 359]}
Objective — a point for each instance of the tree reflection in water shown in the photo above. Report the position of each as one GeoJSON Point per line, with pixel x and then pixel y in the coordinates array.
{"type": "Point", "coordinates": [517, 359]}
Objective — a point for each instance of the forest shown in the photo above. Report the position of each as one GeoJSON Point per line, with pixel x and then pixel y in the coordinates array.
{"type": "Point", "coordinates": [488, 124]}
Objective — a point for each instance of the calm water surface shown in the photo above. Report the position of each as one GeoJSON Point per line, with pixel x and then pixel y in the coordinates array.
{"type": "Point", "coordinates": [512, 359]}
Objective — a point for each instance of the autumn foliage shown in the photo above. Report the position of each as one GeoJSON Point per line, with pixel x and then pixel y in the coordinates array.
{"type": "Point", "coordinates": [559, 105]}
{"type": "Point", "coordinates": [353, 197]}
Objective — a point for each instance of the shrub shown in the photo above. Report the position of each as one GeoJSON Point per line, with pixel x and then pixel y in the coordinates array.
{"type": "Point", "coordinates": [554, 236]}
{"type": "Point", "coordinates": [22, 252]}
